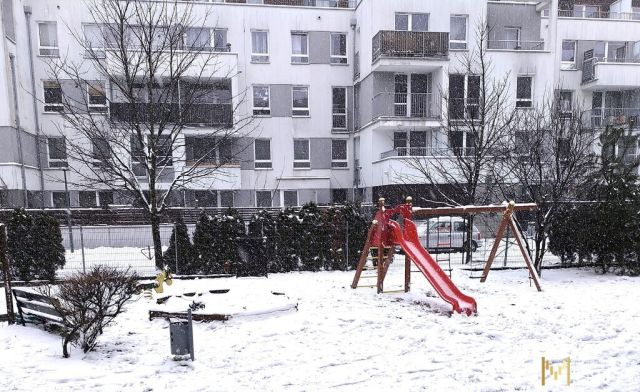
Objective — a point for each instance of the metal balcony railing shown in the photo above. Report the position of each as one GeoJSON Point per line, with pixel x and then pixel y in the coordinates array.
{"type": "Point", "coordinates": [586, 14]}
{"type": "Point", "coordinates": [515, 45]}
{"type": "Point", "coordinates": [603, 117]}
{"type": "Point", "coordinates": [198, 114]}
{"type": "Point", "coordinates": [427, 152]}
{"type": "Point", "coordinates": [298, 3]}
{"type": "Point", "coordinates": [416, 105]}
{"type": "Point", "coordinates": [412, 44]}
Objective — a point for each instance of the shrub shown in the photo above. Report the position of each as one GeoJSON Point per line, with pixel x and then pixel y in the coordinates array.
{"type": "Point", "coordinates": [228, 231]}
{"type": "Point", "coordinates": [313, 238]}
{"type": "Point", "coordinates": [21, 245]}
{"type": "Point", "coordinates": [179, 256]}
{"type": "Point", "coordinates": [203, 249]}
{"type": "Point", "coordinates": [89, 302]}
{"type": "Point", "coordinates": [261, 245]}
{"type": "Point", "coordinates": [287, 242]}
{"type": "Point", "coordinates": [48, 251]}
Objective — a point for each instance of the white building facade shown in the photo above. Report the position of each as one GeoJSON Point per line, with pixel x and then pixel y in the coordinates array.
{"type": "Point", "coordinates": [343, 92]}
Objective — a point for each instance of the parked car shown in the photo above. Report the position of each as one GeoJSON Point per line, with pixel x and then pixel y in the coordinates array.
{"type": "Point", "coordinates": [446, 234]}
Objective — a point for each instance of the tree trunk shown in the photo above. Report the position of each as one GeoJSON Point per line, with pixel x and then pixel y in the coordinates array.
{"type": "Point", "coordinates": [65, 345]}
{"type": "Point", "coordinates": [157, 241]}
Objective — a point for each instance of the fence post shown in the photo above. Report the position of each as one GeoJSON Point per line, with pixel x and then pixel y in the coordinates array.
{"type": "Point", "coordinates": [70, 229]}
{"type": "Point", "coordinates": [346, 247]}
{"type": "Point", "coordinates": [4, 259]}
{"type": "Point", "coordinates": [84, 267]}
{"type": "Point", "coordinates": [175, 244]}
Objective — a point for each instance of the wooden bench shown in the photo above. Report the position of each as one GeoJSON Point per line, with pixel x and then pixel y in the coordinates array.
{"type": "Point", "coordinates": [33, 306]}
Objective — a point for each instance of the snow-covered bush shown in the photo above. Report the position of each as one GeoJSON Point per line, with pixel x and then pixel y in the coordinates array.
{"type": "Point", "coordinates": [89, 302]}
{"type": "Point", "coordinates": [261, 245]}
{"type": "Point", "coordinates": [229, 230]}
{"type": "Point", "coordinates": [205, 259]}
{"type": "Point", "coordinates": [20, 245]}
{"type": "Point", "coordinates": [179, 255]}
{"type": "Point", "coordinates": [313, 238]}
{"type": "Point", "coordinates": [287, 242]}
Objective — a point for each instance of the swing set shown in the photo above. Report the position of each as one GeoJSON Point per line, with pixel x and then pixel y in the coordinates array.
{"type": "Point", "coordinates": [385, 234]}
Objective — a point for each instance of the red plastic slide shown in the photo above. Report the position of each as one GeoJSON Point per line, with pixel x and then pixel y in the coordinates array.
{"type": "Point", "coordinates": [410, 243]}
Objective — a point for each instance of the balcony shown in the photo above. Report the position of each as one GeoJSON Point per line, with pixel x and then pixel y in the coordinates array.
{"type": "Point", "coordinates": [409, 50]}
{"type": "Point", "coordinates": [207, 115]}
{"type": "Point", "coordinates": [402, 106]}
{"type": "Point", "coordinates": [296, 3]}
{"type": "Point", "coordinates": [515, 45]}
{"type": "Point", "coordinates": [434, 152]}
{"type": "Point", "coordinates": [617, 117]}
{"type": "Point", "coordinates": [596, 14]}
{"type": "Point", "coordinates": [610, 74]}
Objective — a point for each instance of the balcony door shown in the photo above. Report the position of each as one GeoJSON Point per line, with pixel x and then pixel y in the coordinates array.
{"type": "Point", "coordinates": [412, 95]}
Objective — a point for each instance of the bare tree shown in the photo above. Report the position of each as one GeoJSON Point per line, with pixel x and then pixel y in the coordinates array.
{"type": "Point", "coordinates": [547, 158]}
{"type": "Point", "coordinates": [475, 121]}
{"type": "Point", "coordinates": [150, 69]}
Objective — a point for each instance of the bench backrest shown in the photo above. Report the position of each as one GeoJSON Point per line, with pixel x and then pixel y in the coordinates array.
{"type": "Point", "coordinates": [36, 304]}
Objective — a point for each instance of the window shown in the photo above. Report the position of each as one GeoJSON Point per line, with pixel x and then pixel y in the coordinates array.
{"type": "Point", "coordinates": [338, 48]}
{"type": "Point", "coordinates": [9, 25]}
{"type": "Point", "coordinates": [412, 22]}
{"type": "Point", "coordinates": [101, 151]}
{"type": "Point", "coordinates": [339, 196]}
{"type": "Point", "coordinates": [339, 153]}
{"type": "Point", "coordinates": [565, 103]}
{"type": "Point", "coordinates": [207, 198]}
{"type": "Point", "coordinates": [263, 199]}
{"type": "Point", "coordinates": [87, 199]}
{"type": "Point", "coordinates": [458, 34]}
{"type": "Point", "coordinates": [473, 96]}
{"type": "Point", "coordinates": [164, 150]}
{"type": "Point", "coordinates": [206, 151]}
{"type": "Point", "coordinates": [52, 96]}
{"type": "Point", "coordinates": [290, 198]}
{"type": "Point", "coordinates": [339, 98]}
{"type": "Point", "coordinates": [48, 39]}
{"type": "Point", "coordinates": [259, 46]}
{"type": "Point", "coordinates": [524, 92]}
{"type": "Point", "coordinates": [262, 149]}
{"type": "Point", "coordinates": [261, 104]}
{"type": "Point", "coordinates": [59, 199]}
{"type": "Point", "coordinates": [105, 198]}
{"type": "Point", "coordinates": [96, 97]}
{"type": "Point", "coordinates": [197, 38]}
{"type": "Point", "coordinates": [299, 48]}
{"type": "Point", "coordinates": [301, 158]}
{"type": "Point", "coordinates": [226, 199]}
{"type": "Point", "coordinates": [512, 37]}
{"type": "Point", "coordinates": [94, 41]}
{"type": "Point", "coordinates": [300, 102]}
{"type": "Point", "coordinates": [568, 54]}
{"type": "Point", "coordinates": [57, 152]}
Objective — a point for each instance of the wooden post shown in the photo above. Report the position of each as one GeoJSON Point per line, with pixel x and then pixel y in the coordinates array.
{"type": "Point", "coordinates": [407, 273]}
{"type": "Point", "coordinates": [364, 255]}
{"type": "Point", "coordinates": [523, 249]}
{"type": "Point", "coordinates": [6, 271]}
{"type": "Point", "coordinates": [506, 217]}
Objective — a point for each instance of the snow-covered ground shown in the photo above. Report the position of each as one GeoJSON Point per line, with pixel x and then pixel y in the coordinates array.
{"type": "Point", "coordinates": [346, 339]}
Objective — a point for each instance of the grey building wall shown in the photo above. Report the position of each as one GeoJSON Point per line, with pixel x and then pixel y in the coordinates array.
{"type": "Point", "coordinates": [319, 47]}
{"type": "Point", "coordinates": [9, 149]}
{"type": "Point", "coordinates": [280, 100]}
{"type": "Point", "coordinates": [320, 153]}
{"type": "Point", "coordinates": [523, 16]}
{"type": "Point", "coordinates": [243, 150]}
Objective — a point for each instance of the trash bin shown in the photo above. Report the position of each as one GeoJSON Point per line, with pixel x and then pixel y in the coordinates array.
{"type": "Point", "coordinates": [179, 331]}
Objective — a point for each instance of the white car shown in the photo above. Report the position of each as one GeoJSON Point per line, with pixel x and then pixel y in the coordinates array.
{"type": "Point", "coordinates": [446, 234]}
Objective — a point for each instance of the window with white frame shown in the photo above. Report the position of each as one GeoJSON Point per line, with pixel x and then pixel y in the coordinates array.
{"type": "Point", "coordinates": [59, 199]}
{"type": "Point", "coordinates": [339, 153]}
{"type": "Point", "coordinates": [264, 199]}
{"type": "Point", "coordinates": [300, 101]}
{"type": "Point", "coordinates": [301, 157]}
{"type": "Point", "coordinates": [52, 96]}
{"type": "Point", "coordinates": [290, 198]}
{"type": "Point", "coordinates": [105, 198]}
{"type": "Point", "coordinates": [197, 38]}
{"type": "Point", "coordinates": [524, 92]}
{"type": "Point", "coordinates": [512, 37]}
{"type": "Point", "coordinates": [458, 34]}
{"type": "Point", "coordinates": [227, 198]}
{"type": "Point", "coordinates": [87, 199]}
{"type": "Point", "coordinates": [565, 103]}
{"type": "Point", "coordinates": [57, 151]}
{"type": "Point", "coordinates": [48, 39]}
{"type": "Point", "coordinates": [412, 22]}
{"type": "Point", "coordinates": [300, 48]}
{"type": "Point", "coordinates": [568, 54]}
{"type": "Point", "coordinates": [262, 149]}
{"type": "Point", "coordinates": [338, 48]}
{"type": "Point", "coordinates": [94, 41]}
{"type": "Point", "coordinates": [339, 108]}
{"type": "Point", "coordinates": [259, 46]}
{"type": "Point", "coordinates": [261, 101]}
{"type": "Point", "coordinates": [101, 151]}
{"type": "Point", "coordinates": [96, 97]}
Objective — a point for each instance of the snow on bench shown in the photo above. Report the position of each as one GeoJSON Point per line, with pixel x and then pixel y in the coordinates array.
{"type": "Point", "coordinates": [34, 304]}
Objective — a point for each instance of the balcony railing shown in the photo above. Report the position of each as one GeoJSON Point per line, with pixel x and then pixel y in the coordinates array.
{"type": "Point", "coordinates": [618, 117]}
{"type": "Point", "coordinates": [296, 3]}
{"type": "Point", "coordinates": [586, 14]}
{"type": "Point", "coordinates": [589, 65]}
{"type": "Point", "coordinates": [410, 44]}
{"type": "Point", "coordinates": [427, 152]}
{"type": "Point", "coordinates": [219, 115]}
{"type": "Point", "coordinates": [416, 105]}
{"type": "Point", "coordinates": [515, 45]}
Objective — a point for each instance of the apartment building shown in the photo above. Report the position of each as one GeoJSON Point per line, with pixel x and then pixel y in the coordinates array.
{"type": "Point", "coordinates": [343, 93]}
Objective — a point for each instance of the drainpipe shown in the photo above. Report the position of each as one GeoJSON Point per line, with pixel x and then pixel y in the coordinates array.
{"type": "Point", "coordinates": [553, 40]}
{"type": "Point", "coordinates": [36, 115]}
{"type": "Point", "coordinates": [18, 128]}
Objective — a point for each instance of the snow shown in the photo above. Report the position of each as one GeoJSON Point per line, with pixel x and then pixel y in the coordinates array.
{"type": "Point", "coordinates": [346, 339]}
